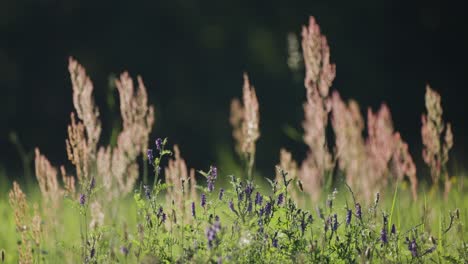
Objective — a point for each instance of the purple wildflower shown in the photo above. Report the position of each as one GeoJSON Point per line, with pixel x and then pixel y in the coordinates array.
{"type": "Point", "coordinates": [358, 211]}
{"type": "Point", "coordinates": [163, 218]}
{"type": "Point", "coordinates": [261, 212]}
{"type": "Point", "coordinates": [159, 144]}
{"type": "Point", "coordinates": [258, 199]}
{"type": "Point", "coordinates": [193, 209]}
{"type": "Point", "coordinates": [160, 212]}
{"type": "Point", "coordinates": [82, 199]}
{"type": "Point", "coordinates": [349, 214]}
{"type": "Point", "coordinates": [92, 253]}
{"type": "Point", "coordinates": [212, 232]}
{"type": "Point", "coordinates": [214, 172]}
{"type": "Point", "coordinates": [210, 186]}
{"type": "Point", "coordinates": [211, 178]}
{"type": "Point", "coordinates": [221, 194]}
{"type": "Point", "coordinates": [413, 247]}
{"type": "Point", "coordinates": [303, 224]}
{"type": "Point", "coordinates": [268, 208]}
{"type": "Point", "coordinates": [203, 200]}
{"type": "Point", "coordinates": [383, 235]}
{"type": "Point", "coordinates": [124, 250]}
{"type": "Point", "coordinates": [149, 153]}
{"type": "Point", "coordinates": [335, 222]}
{"type": "Point", "coordinates": [393, 231]}
{"type": "Point", "coordinates": [274, 240]}
{"type": "Point", "coordinates": [280, 198]}
{"type": "Point", "coordinates": [248, 190]}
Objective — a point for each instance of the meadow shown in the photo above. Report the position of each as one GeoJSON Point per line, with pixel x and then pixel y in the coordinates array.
{"type": "Point", "coordinates": [357, 197]}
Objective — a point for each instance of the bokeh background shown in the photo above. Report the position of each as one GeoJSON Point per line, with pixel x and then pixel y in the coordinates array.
{"type": "Point", "coordinates": [192, 54]}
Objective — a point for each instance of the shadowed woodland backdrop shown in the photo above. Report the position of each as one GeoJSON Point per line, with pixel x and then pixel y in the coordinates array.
{"type": "Point", "coordinates": [191, 55]}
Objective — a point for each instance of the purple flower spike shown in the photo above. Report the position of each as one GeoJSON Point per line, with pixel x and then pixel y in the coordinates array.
{"type": "Point", "coordinates": [82, 199]}
{"type": "Point", "coordinates": [335, 222]}
{"type": "Point", "coordinates": [383, 235]}
{"type": "Point", "coordinates": [221, 194]}
{"type": "Point", "coordinates": [349, 214]}
{"type": "Point", "coordinates": [358, 211]}
{"type": "Point", "coordinates": [150, 155]}
{"type": "Point", "coordinates": [193, 209]}
{"type": "Point", "coordinates": [203, 200]}
{"type": "Point", "coordinates": [413, 247]}
{"type": "Point", "coordinates": [280, 199]}
{"type": "Point", "coordinates": [258, 199]}
{"type": "Point", "coordinates": [158, 143]}
{"type": "Point", "coordinates": [214, 172]}
{"type": "Point", "coordinates": [268, 208]}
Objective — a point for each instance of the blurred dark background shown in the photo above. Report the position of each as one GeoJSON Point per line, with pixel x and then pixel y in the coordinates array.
{"type": "Point", "coordinates": [191, 55]}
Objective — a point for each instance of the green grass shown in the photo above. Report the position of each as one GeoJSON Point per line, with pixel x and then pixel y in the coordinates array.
{"type": "Point", "coordinates": [429, 216]}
